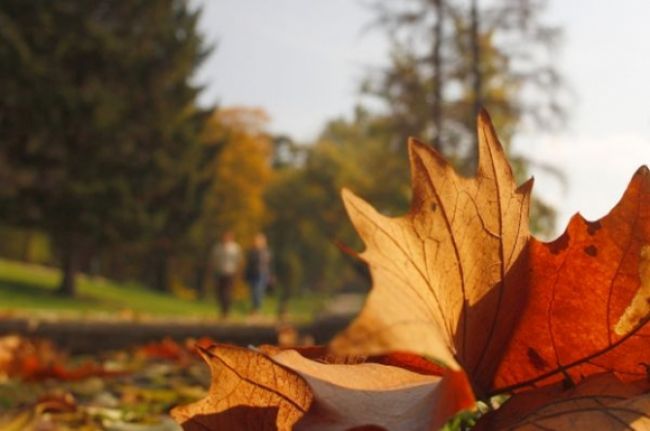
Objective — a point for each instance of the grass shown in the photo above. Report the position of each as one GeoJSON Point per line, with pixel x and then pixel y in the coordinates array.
{"type": "Point", "coordinates": [32, 288]}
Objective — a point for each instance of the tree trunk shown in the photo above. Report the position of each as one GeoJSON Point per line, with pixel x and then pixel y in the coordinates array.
{"type": "Point", "coordinates": [68, 271]}
{"type": "Point", "coordinates": [436, 59]}
{"type": "Point", "coordinates": [161, 272]}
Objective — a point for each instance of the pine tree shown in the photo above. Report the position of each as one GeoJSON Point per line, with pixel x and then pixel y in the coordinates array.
{"type": "Point", "coordinates": [98, 124]}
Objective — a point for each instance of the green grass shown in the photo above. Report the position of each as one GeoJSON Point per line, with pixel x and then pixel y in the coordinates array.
{"type": "Point", "coordinates": [32, 288]}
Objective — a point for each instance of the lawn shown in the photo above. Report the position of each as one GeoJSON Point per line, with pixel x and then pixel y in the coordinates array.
{"type": "Point", "coordinates": [31, 288]}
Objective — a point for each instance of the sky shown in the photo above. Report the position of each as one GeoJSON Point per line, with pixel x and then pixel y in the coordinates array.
{"type": "Point", "coordinates": [302, 60]}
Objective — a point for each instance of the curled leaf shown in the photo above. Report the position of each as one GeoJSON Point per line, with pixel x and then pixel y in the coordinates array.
{"type": "Point", "coordinates": [248, 391]}
{"type": "Point", "coordinates": [370, 394]}
{"type": "Point", "coordinates": [281, 389]}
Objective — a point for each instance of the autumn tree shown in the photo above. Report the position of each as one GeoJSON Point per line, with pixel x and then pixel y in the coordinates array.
{"type": "Point", "coordinates": [98, 124]}
{"type": "Point", "coordinates": [307, 218]}
{"type": "Point", "coordinates": [242, 170]}
{"type": "Point", "coordinates": [234, 200]}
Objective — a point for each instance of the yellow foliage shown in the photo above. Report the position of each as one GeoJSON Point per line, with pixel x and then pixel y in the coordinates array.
{"type": "Point", "coordinates": [181, 290]}
{"type": "Point", "coordinates": [242, 172]}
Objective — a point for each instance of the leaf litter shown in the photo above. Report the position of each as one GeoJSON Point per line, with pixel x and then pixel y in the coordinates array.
{"type": "Point", "coordinates": [128, 390]}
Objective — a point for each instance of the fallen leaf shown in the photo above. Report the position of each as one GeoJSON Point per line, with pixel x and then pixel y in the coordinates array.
{"type": "Point", "coordinates": [166, 349]}
{"type": "Point", "coordinates": [248, 391]}
{"type": "Point", "coordinates": [17, 422]}
{"type": "Point", "coordinates": [407, 361]}
{"type": "Point", "coordinates": [587, 299]}
{"type": "Point", "coordinates": [600, 402]}
{"type": "Point", "coordinates": [36, 359]}
{"type": "Point", "coordinates": [56, 403]}
{"type": "Point", "coordinates": [447, 277]}
{"type": "Point", "coordinates": [351, 396]}
{"type": "Point", "coordinates": [275, 387]}
{"type": "Point", "coordinates": [26, 358]}
{"type": "Point", "coordinates": [460, 280]}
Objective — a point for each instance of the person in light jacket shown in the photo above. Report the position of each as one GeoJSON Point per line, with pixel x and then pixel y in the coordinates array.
{"type": "Point", "coordinates": [226, 261]}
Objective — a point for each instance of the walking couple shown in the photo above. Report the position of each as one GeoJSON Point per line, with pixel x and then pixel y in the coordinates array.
{"type": "Point", "coordinates": [228, 260]}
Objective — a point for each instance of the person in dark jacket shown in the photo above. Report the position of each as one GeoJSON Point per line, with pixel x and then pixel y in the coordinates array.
{"type": "Point", "coordinates": [258, 270]}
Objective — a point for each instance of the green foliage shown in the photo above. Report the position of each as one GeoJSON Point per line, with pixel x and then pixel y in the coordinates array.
{"type": "Point", "coordinates": [25, 244]}
{"type": "Point", "coordinates": [308, 218]}
{"type": "Point", "coordinates": [99, 139]}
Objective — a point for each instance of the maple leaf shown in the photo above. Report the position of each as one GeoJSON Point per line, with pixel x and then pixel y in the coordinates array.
{"type": "Point", "coordinates": [587, 300]}
{"type": "Point", "coordinates": [600, 402]}
{"type": "Point", "coordinates": [459, 279]}
{"type": "Point", "coordinates": [284, 390]}
{"type": "Point", "coordinates": [444, 273]}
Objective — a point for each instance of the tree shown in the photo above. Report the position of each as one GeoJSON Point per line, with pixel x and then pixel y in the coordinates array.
{"type": "Point", "coordinates": [452, 57]}
{"type": "Point", "coordinates": [241, 172]}
{"type": "Point", "coordinates": [234, 200]}
{"type": "Point", "coordinates": [307, 216]}
{"type": "Point", "coordinates": [98, 124]}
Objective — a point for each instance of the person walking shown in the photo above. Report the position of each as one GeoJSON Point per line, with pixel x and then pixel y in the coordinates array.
{"type": "Point", "coordinates": [227, 260]}
{"type": "Point", "coordinates": [258, 270]}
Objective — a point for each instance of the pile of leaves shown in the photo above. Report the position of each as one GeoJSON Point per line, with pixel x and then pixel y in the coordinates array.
{"type": "Point", "coordinates": [467, 310]}
{"type": "Point", "coordinates": [42, 388]}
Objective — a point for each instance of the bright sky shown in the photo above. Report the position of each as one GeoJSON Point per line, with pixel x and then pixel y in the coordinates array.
{"type": "Point", "coordinates": [301, 60]}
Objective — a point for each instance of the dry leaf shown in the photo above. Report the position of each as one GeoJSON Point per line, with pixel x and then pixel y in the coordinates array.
{"type": "Point", "coordinates": [459, 279]}
{"type": "Point", "coordinates": [256, 390]}
{"type": "Point", "coordinates": [587, 299]}
{"type": "Point", "coordinates": [407, 361]}
{"type": "Point", "coordinates": [370, 394]}
{"type": "Point", "coordinates": [166, 349]}
{"type": "Point", "coordinates": [448, 275]}
{"type": "Point", "coordinates": [601, 402]}
{"type": "Point", "coordinates": [248, 392]}
{"type": "Point", "coordinates": [36, 359]}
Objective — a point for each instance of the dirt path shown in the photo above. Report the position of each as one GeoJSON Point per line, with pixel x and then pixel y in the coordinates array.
{"type": "Point", "coordinates": [92, 335]}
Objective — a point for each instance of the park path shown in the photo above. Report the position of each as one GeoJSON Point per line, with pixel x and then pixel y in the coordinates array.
{"type": "Point", "coordinates": [91, 335]}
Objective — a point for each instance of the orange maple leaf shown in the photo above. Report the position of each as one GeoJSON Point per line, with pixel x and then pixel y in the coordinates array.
{"type": "Point", "coordinates": [587, 304]}
{"type": "Point", "coordinates": [460, 279]}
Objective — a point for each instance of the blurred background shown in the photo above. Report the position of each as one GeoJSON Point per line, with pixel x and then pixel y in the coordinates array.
{"type": "Point", "coordinates": [134, 134]}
